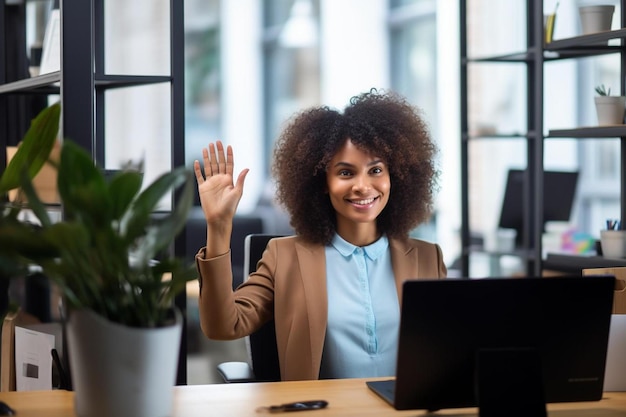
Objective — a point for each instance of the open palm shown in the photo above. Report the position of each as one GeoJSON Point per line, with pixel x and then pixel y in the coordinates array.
{"type": "Point", "coordinates": [219, 195]}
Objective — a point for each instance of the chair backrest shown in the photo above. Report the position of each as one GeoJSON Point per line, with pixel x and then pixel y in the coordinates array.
{"type": "Point", "coordinates": [262, 349]}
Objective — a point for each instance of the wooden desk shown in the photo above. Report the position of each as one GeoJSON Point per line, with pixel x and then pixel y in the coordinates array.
{"type": "Point", "coordinates": [347, 397]}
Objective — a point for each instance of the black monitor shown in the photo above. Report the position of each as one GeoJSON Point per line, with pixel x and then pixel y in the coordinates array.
{"type": "Point", "coordinates": [559, 189]}
{"type": "Point", "coordinates": [501, 342]}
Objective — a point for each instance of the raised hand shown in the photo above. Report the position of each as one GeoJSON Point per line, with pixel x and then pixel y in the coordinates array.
{"type": "Point", "coordinates": [219, 195]}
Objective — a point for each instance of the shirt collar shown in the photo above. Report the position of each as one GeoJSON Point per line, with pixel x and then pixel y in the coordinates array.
{"type": "Point", "coordinates": [372, 251]}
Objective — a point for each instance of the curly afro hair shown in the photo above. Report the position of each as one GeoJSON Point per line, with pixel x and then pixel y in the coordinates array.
{"type": "Point", "coordinates": [383, 124]}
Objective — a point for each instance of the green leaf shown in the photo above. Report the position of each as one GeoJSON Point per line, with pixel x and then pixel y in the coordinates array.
{"type": "Point", "coordinates": [10, 268]}
{"type": "Point", "coordinates": [25, 240]}
{"type": "Point", "coordinates": [34, 203]}
{"type": "Point", "coordinates": [82, 187]}
{"type": "Point", "coordinates": [35, 148]}
{"type": "Point", "coordinates": [124, 187]}
{"type": "Point", "coordinates": [172, 224]}
{"type": "Point", "coordinates": [137, 219]}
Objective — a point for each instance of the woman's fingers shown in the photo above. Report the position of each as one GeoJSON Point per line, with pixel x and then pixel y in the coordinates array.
{"type": "Point", "coordinates": [221, 158]}
{"type": "Point", "coordinates": [241, 179]}
{"type": "Point", "coordinates": [198, 172]}
{"type": "Point", "coordinates": [216, 161]}
{"type": "Point", "coordinates": [211, 162]}
{"type": "Point", "coordinates": [230, 160]}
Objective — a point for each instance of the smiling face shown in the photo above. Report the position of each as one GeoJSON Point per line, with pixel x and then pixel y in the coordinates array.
{"type": "Point", "coordinates": [358, 186]}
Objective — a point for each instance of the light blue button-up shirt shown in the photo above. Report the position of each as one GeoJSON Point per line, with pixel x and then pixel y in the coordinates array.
{"type": "Point", "coordinates": [363, 311]}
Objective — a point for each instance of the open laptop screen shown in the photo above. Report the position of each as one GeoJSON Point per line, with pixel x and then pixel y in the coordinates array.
{"type": "Point", "coordinates": [557, 326]}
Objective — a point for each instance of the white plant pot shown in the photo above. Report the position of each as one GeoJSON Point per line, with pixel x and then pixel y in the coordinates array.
{"type": "Point", "coordinates": [119, 370]}
{"type": "Point", "coordinates": [596, 19]}
{"type": "Point", "coordinates": [610, 110]}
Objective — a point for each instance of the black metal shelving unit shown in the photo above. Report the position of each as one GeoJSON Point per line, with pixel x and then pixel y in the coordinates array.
{"type": "Point", "coordinates": [536, 55]}
{"type": "Point", "coordinates": [82, 83]}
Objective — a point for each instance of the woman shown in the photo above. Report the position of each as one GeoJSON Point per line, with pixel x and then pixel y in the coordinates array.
{"type": "Point", "coordinates": [354, 185]}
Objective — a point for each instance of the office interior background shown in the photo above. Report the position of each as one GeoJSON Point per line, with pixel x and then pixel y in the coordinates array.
{"type": "Point", "coordinates": [251, 64]}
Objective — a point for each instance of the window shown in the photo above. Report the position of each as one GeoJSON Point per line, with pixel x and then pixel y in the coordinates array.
{"type": "Point", "coordinates": [412, 24]}
{"type": "Point", "coordinates": [202, 76]}
{"type": "Point", "coordinates": [291, 62]}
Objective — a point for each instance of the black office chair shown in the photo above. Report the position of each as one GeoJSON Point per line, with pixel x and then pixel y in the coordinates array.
{"type": "Point", "coordinates": [261, 345]}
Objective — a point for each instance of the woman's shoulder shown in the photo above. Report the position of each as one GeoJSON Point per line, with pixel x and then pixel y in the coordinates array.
{"type": "Point", "coordinates": [413, 243]}
{"type": "Point", "coordinates": [291, 241]}
{"type": "Point", "coordinates": [283, 240]}
{"type": "Point", "coordinates": [291, 250]}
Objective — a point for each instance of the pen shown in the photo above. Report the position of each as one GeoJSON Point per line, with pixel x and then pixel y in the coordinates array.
{"type": "Point", "coordinates": [295, 406]}
{"type": "Point", "coordinates": [613, 224]}
{"type": "Point", "coordinates": [63, 380]}
{"type": "Point", "coordinates": [5, 410]}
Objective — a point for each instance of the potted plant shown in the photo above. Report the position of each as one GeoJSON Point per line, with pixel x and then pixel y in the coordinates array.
{"type": "Point", "coordinates": [110, 258]}
{"type": "Point", "coordinates": [610, 109]}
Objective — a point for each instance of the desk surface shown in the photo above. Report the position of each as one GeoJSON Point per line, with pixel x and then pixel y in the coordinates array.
{"type": "Point", "coordinates": [347, 397]}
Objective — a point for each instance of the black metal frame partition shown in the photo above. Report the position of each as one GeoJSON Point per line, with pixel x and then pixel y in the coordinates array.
{"type": "Point", "coordinates": [82, 69]}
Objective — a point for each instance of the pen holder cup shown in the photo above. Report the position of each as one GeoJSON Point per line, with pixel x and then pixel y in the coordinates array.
{"type": "Point", "coordinates": [613, 243]}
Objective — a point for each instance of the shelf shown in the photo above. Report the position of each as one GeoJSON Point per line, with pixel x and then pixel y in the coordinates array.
{"type": "Point", "coordinates": [585, 45]}
{"type": "Point", "coordinates": [47, 83]}
{"type": "Point", "coordinates": [590, 132]}
{"type": "Point", "coordinates": [575, 263]}
{"type": "Point", "coordinates": [35, 84]}
{"type": "Point", "coordinates": [494, 136]}
{"type": "Point", "coordinates": [120, 81]}
{"type": "Point", "coordinates": [575, 47]}
{"type": "Point", "coordinates": [524, 56]}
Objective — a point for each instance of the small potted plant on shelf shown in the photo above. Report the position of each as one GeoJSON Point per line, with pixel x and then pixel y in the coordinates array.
{"type": "Point", "coordinates": [610, 109]}
{"type": "Point", "coordinates": [110, 258]}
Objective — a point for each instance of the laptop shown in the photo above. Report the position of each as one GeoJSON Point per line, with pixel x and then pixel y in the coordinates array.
{"type": "Point", "coordinates": [549, 334]}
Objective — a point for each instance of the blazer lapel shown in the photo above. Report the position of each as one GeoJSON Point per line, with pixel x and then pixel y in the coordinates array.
{"type": "Point", "coordinates": [404, 263]}
{"type": "Point", "coordinates": [312, 261]}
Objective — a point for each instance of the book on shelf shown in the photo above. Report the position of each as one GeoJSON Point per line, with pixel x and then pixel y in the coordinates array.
{"type": "Point", "coordinates": [51, 49]}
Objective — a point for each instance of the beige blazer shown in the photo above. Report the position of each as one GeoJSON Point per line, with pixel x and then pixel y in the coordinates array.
{"type": "Point", "coordinates": [290, 286]}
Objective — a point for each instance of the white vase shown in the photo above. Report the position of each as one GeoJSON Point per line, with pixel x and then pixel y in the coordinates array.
{"type": "Point", "coordinates": [610, 110]}
{"type": "Point", "coordinates": [596, 19]}
{"type": "Point", "coordinates": [119, 370]}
